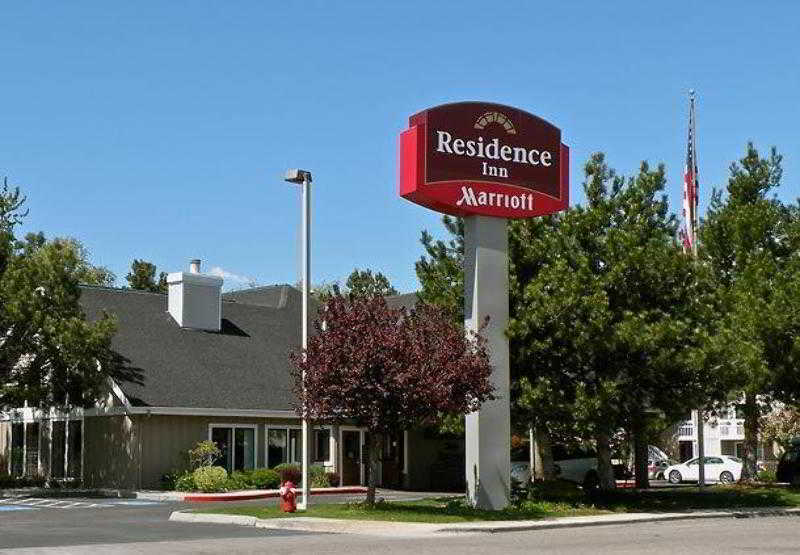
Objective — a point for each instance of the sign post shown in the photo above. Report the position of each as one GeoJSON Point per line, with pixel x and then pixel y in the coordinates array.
{"type": "Point", "coordinates": [486, 163]}
{"type": "Point", "coordinates": [488, 431]}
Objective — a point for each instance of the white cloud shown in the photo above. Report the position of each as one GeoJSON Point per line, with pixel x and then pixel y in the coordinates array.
{"type": "Point", "coordinates": [231, 277]}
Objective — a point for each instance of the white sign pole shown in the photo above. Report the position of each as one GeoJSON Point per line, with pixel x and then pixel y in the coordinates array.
{"type": "Point", "coordinates": [488, 431]}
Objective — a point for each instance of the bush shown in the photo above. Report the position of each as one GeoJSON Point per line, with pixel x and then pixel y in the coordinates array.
{"type": "Point", "coordinates": [318, 477]}
{"type": "Point", "coordinates": [289, 473]}
{"type": "Point", "coordinates": [210, 479]}
{"type": "Point", "coordinates": [170, 479]}
{"type": "Point", "coordinates": [556, 490]}
{"type": "Point", "coordinates": [11, 482]}
{"type": "Point", "coordinates": [185, 482]}
{"type": "Point", "coordinates": [239, 480]}
{"type": "Point", "coordinates": [767, 475]}
{"type": "Point", "coordinates": [205, 453]}
{"type": "Point", "coordinates": [333, 479]}
{"type": "Point", "coordinates": [264, 478]}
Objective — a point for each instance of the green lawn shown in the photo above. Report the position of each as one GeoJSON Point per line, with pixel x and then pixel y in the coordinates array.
{"type": "Point", "coordinates": [549, 502]}
{"type": "Point", "coordinates": [439, 510]}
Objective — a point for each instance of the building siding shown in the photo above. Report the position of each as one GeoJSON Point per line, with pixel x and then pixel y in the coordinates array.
{"type": "Point", "coordinates": [166, 439]}
{"type": "Point", "coordinates": [111, 452]}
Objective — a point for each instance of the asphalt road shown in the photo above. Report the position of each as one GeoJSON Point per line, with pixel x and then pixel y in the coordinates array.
{"type": "Point", "coordinates": [125, 526]}
{"type": "Point", "coordinates": [37, 522]}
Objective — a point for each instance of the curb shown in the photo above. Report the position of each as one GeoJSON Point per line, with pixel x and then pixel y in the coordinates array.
{"type": "Point", "coordinates": [634, 518]}
{"type": "Point", "coordinates": [371, 527]}
{"type": "Point", "coordinates": [244, 496]}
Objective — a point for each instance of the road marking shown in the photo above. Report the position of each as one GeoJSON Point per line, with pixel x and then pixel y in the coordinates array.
{"type": "Point", "coordinates": [16, 508]}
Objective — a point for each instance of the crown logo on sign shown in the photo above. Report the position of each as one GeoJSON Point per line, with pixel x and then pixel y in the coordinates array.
{"type": "Point", "coordinates": [496, 117]}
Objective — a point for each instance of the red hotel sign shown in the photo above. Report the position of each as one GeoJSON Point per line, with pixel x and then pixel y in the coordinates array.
{"type": "Point", "coordinates": [480, 158]}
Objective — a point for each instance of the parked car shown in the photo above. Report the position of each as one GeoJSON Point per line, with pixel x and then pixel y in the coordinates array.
{"type": "Point", "coordinates": [718, 468]}
{"type": "Point", "coordinates": [655, 469]}
{"type": "Point", "coordinates": [789, 464]}
{"type": "Point", "coordinates": [657, 462]}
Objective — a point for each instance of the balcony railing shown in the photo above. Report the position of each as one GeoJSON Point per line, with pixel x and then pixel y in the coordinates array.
{"type": "Point", "coordinates": [685, 431]}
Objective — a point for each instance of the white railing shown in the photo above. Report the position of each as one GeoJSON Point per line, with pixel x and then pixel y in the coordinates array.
{"type": "Point", "coordinates": [685, 431]}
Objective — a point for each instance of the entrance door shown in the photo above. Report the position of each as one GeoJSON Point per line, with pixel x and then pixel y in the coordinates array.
{"type": "Point", "coordinates": [351, 458]}
{"type": "Point", "coordinates": [685, 451]}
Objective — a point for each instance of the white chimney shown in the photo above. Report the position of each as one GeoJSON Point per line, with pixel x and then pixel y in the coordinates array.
{"type": "Point", "coordinates": [195, 299]}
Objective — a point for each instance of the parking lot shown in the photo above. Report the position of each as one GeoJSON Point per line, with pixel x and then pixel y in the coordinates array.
{"type": "Point", "coordinates": [29, 521]}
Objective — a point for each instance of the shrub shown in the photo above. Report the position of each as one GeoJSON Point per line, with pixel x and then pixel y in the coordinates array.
{"type": "Point", "coordinates": [319, 478]}
{"type": "Point", "coordinates": [210, 478]}
{"type": "Point", "coordinates": [333, 479]}
{"type": "Point", "coordinates": [12, 482]}
{"type": "Point", "coordinates": [185, 482]}
{"type": "Point", "coordinates": [289, 473]}
{"type": "Point", "coordinates": [205, 453]}
{"type": "Point", "coordinates": [264, 478]}
{"type": "Point", "coordinates": [556, 490]}
{"type": "Point", "coordinates": [239, 480]}
{"type": "Point", "coordinates": [767, 475]}
{"type": "Point", "coordinates": [170, 479]}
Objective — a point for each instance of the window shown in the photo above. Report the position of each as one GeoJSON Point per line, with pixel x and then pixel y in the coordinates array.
{"type": "Point", "coordinates": [285, 445]}
{"type": "Point", "coordinates": [237, 443]}
{"type": "Point", "coordinates": [277, 447]}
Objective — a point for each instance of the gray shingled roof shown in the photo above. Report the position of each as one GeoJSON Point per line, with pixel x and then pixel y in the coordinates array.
{"type": "Point", "coordinates": [245, 366]}
{"type": "Point", "coordinates": [406, 300]}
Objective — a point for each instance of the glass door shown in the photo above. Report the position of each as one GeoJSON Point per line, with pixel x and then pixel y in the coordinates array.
{"type": "Point", "coordinates": [244, 449]}
{"type": "Point", "coordinates": [222, 437]}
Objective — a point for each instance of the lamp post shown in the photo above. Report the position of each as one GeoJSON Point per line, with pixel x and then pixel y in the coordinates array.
{"type": "Point", "coordinates": [303, 177]}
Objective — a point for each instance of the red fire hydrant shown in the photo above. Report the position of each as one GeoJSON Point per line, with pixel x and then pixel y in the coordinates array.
{"type": "Point", "coordinates": [288, 497]}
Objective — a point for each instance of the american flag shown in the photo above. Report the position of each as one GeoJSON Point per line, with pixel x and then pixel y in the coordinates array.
{"type": "Point", "coordinates": [690, 186]}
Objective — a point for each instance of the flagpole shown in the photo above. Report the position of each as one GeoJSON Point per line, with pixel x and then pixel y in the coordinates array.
{"type": "Point", "coordinates": [692, 217]}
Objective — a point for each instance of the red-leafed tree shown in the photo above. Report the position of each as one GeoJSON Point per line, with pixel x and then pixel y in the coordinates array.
{"type": "Point", "coordinates": [388, 369]}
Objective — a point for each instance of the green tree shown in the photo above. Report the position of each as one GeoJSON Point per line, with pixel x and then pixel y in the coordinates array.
{"type": "Point", "coordinates": [363, 283]}
{"type": "Point", "coordinates": [749, 242]}
{"type": "Point", "coordinates": [49, 353]}
{"type": "Point", "coordinates": [441, 269]}
{"type": "Point", "coordinates": [602, 305]}
{"type": "Point", "coordinates": [143, 277]}
{"type": "Point", "coordinates": [359, 284]}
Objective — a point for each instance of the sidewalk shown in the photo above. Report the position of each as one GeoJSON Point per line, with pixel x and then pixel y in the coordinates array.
{"type": "Point", "coordinates": [413, 529]}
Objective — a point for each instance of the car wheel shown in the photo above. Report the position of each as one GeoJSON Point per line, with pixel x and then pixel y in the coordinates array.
{"type": "Point", "coordinates": [726, 478]}
{"type": "Point", "coordinates": [675, 477]}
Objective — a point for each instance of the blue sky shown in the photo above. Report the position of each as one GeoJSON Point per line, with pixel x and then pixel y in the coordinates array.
{"type": "Point", "coordinates": [160, 130]}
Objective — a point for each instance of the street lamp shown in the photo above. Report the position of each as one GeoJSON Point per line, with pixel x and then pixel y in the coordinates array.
{"type": "Point", "coordinates": [303, 177]}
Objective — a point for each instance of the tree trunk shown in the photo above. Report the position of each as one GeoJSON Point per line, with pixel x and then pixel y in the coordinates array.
{"type": "Point", "coordinates": [640, 451]}
{"type": "Point", "coordinates": [605, 472]}
{"type": "Point", "coordinates": [544, 469]}
{"type": "Point", "coordinates": [373, 456]}
{"type": "Point", "coordinates": [750, 462]}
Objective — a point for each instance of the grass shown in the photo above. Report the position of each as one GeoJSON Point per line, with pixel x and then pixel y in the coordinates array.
{"type": "Point", "coordinates": [438, 510]}
{"type": "Point", "coordinates": [548, 502]}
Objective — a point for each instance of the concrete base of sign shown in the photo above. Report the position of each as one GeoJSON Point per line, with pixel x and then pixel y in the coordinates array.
{"type": "Point", "coordinates": [488, 431]}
